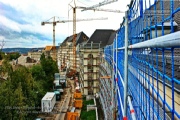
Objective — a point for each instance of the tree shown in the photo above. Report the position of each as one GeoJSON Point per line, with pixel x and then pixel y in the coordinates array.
{"type": "Point", "coordinates": [50, 67]}
{"type": "Point", "coordinates": [17, 89]}
{"type": "Point", "coordinates": [25, 87]}
{"type": "Point", "coordinates": [19, 99]}
{"type": "Point", "coordinates": [38, 72]}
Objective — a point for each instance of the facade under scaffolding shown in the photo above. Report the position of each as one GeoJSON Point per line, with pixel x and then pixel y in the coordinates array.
{"type": "Point", "coordinates": [65, 51]}
{"type": "Point", "coordinates": [89, 67]}
{"type": "Point", "coordinates": [89, 54]}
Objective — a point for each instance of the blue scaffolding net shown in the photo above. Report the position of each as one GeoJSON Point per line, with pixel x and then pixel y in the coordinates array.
{"type": "Point", "coordinates": [153, 61]}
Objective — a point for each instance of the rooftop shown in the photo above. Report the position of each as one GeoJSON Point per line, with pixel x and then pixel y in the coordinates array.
{"type": "Point", "coordinates": [103, 36]}
{"type": "Point", "coordinates": [81, 37]}
{"type": "Point", "coordinates": [48, 96]}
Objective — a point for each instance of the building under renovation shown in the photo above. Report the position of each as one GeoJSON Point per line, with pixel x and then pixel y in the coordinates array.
{"type": "Point", "coordinates": [65, 51]}
{"type": "Point", "coordinates": [87, 57]}
{"type": "Point", "coordinates": [89, 54]}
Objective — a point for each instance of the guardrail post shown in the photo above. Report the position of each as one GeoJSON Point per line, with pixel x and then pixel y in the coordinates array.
{"type": "Point", "coordinates": [126, 66]}
{"type": "Point", "coordinates": [132, 111]}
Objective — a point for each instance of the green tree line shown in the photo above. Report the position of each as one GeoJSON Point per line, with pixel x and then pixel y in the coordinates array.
{"type": "Point", "coordinates": [9, 56]}
{"type": "Point", "coordinates": [23, 89]}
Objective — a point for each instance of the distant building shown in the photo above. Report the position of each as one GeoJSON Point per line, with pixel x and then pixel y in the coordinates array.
{"type": "Point", "coordinates": [50, 51]}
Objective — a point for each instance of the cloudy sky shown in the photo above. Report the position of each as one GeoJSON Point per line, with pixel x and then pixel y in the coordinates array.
{"type": "Point", "coordinates": [20, 20]}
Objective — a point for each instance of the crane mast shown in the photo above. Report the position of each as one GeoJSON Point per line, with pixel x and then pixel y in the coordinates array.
{"type": "Point", "coordinates": [74, 38]}
{"type": "Point", "coordinates": [54, 24]}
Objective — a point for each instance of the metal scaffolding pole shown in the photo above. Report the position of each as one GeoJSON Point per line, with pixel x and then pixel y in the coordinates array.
{"type": "Point", "coordinates": [112, 85]}
{"type": "Point", "coordinates": [126, 65]}
{"type": "Point", "coordinates": [170, 40]}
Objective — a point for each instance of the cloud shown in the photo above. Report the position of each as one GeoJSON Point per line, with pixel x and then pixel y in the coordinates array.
{"type": "Point", "coordinates": [9, 23]}
{"type": "Point", "coordinates": [2, 38]}
{"type": "Point", "coordinates": [22, 20]}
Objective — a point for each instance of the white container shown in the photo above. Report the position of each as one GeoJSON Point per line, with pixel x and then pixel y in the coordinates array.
{"type": "Point", "coordinates": [48, 102]}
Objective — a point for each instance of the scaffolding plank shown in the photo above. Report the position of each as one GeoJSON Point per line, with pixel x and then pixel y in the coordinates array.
{"type": "Point", "coordinates": [106, 77]}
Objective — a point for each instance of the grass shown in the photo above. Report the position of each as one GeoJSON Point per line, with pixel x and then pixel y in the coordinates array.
{"type": "Point", "coordinates": [90, 115]}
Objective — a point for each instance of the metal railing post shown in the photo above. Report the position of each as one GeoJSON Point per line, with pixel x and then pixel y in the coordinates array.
{"type": "Point", "coordinates": [131, 108]}
{"type": "Point", "coordinates": [116, 87]}
{"type": "Point", "coordinates": [112, 85]}
{"type": "Point", "coordinates": [126, 66]}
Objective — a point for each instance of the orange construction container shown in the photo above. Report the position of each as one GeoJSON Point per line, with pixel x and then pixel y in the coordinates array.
{"type": "Point", "coordinates": [77, 95]}
{"type": "Point", "coordinates": [72, 116]}
{"type": "Point", "coordinates": [78, 103]}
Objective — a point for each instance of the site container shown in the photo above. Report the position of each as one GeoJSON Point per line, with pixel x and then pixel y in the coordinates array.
{"type": "Point", "coordinates": [77, 95]}
{"type": "Point", "coordinates": [72, 116]}
{"type": "Point", "coordinates": [78, 103]}
{"type": "Point", "coordinates": [48, 102]}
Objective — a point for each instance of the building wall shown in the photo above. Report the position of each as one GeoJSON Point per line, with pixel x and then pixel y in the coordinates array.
{"type": "Point", "coordinates": [35, 55]}
{"type": "Point", "coordinates": [65, 54]}
{"type": "Point", "coordinates": [89, 76]}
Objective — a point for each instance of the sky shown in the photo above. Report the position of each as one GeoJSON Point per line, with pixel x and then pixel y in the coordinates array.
{"type": "Point", "coordinates": [20, 20]}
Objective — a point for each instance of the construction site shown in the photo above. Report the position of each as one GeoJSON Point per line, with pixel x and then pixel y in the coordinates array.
{"type": "Point", "coordinates": [131, 73]}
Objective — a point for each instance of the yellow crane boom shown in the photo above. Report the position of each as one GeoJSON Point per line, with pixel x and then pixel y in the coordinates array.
{"type": "Point", "coordinates": [54, 22]}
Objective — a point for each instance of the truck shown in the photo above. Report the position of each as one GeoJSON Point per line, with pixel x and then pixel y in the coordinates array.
{"type": "Point", "coordinates": [63, 81]}
{"type": "Point", "coordinates": [58, 95]}
{"type": "Point", "coordinates": [48, 102]}
{"type": "Point", "coordinates": [56, 76]}
{"type": "Point", "coordinates": [58, 86]}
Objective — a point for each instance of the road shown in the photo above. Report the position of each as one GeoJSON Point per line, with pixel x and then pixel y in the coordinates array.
{"type": "Point", "coordinates": [67, 102]}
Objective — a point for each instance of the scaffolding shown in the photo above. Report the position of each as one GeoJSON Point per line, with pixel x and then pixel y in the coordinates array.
{"type": "Point", "coordinates": [148, 40]}
{"type": "Point", "coordinates": [106, 89]}
{"type": "Point", "coordinates": [65, 55]}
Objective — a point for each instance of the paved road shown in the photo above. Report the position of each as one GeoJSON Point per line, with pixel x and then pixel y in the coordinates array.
{"type": "Point", "coordinates": [67, 101]}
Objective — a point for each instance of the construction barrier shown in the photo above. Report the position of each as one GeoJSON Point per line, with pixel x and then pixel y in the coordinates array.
{"type": "Point", "coordinates": [151, 31]}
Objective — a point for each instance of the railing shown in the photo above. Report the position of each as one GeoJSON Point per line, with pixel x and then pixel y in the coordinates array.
{"type": "Point", "coordinates": [153, 50]}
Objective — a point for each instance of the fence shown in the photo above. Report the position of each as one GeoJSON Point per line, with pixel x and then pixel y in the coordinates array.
{"type": "Point", "coordinates": [153, 56]}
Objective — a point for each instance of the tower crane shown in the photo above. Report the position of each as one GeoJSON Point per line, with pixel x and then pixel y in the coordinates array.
{"type": "Point", "coordinates": [74, 22]}
{"type": "Point", "coordinates": [95, 7]}
{"type": "Point", "coordinates": [74, 30]}
{"type": "Point", "coordinates": [105, 2]}
{"type": "Point", "coordinates": [54, 22]}
{"type": "Point", "coordinates": [106, 10]}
